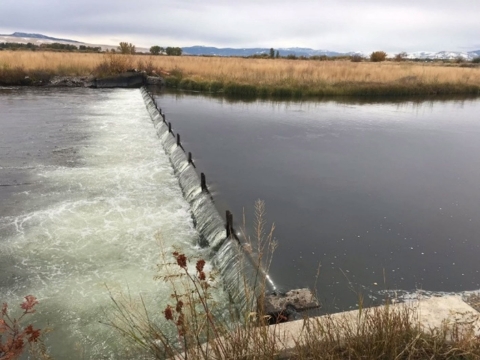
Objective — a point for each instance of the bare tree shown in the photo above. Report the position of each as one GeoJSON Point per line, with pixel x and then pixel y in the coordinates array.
{"type": "Point", "coordinates": [126, 48]}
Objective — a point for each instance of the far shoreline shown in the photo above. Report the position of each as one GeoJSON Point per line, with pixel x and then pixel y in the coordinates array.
{"type": "Point", "coordinates": [248, 78]}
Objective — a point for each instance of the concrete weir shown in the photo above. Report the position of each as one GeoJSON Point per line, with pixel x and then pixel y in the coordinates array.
{"type": "Point", "coordinates": [133, 79]}
{"type": "Point", "coordinates": [234, 263]}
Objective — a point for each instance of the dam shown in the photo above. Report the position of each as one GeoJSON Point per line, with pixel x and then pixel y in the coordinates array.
{"type": "Point", "coordinates": [97, 184]}
{"type": "Point", "coordinates": [89, 203]}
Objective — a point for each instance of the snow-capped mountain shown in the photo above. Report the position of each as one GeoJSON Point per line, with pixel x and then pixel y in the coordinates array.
{"type": "Point", "coordinates": [307, 52]}
{"type": "Point", "coordinates": [21, 37]}
{"type": "Point", "coordinates": [427, 55]}
{"type": "Point", "coordinates": [444, 55]}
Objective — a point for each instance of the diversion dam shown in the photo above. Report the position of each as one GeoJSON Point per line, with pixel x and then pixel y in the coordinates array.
{"type": "Point", "coordinates": [89, 200]}
{"type": "Point", "coordinates": [382, 194]}
{"type": "Point", "coordinates": [92, 194]}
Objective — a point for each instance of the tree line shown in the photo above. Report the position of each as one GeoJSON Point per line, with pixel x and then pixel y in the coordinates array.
{"type": "Point", "coordinates": [173, 51]}
{"type": "Point", "coordinates": [51, 46]}
{"type": "Point", "coordinates": [129, 48]}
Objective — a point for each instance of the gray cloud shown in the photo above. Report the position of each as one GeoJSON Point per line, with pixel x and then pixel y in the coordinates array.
{"type": "Point", "coordinates": [341, 25]}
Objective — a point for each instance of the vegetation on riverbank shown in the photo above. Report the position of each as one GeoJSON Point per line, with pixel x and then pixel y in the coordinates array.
{"type": "Point", "coordinates": [195, 327]}
{"type": "Point", "coordinates": [278, 78]}
{"type": "Point", "coordinates": [195, 330]}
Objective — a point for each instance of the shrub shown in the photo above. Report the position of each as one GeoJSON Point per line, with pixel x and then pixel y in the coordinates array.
{"type": "Point", "coordinates": [173, 51]}
{"type": "Point", "coordinates": [356, 58]}
{"type": "Point", "coordinates": [146, 66]}
{"type": "Point", "coordinates": [172, 81]}
{"type": "Point", "coordinates": [319, 57]}
{"type": "Point", "coordinates": [215, 86]}
{"type": "Point", "coordinates": [401, 56]}
{"type": "Point", "coordinates": [155, 50]}
{"type": "Point", "coordinates": [240, 90]}
{"type": "Point", "coordinates": [114, 64]}
{"type": "Point", "coordinates": [476, 60]}
{"type": "Point", "coordinates": [188, 84]}
{"type": "Point", "coordinates": [126, 48]}
{"type": "Point", "coordinates": [12, 75]}
{"type": "Point", "coordinates": [282, 92]}
{"type": "Point", "coordinates": [378, 56]}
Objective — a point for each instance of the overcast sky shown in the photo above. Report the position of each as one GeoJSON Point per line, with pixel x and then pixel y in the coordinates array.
{"type": "Point", "coordinates": [338, 25]}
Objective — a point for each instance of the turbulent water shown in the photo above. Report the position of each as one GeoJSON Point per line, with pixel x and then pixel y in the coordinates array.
{"type": "Point", "coordinates": [87, 194]}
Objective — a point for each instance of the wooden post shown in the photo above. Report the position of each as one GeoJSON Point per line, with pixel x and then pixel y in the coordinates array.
{"type": "Point", "coordinates": [231, 226]}
{"type": "Point", "coordinates": [178, 140]}
{"type": "Point", "coordinates": [203, 182]}
{"type": "Point", "coordinates": [170, 127]}
{"type": "Point", "coordinates": [228, 226]}
{"type": "Point", "coordinates": [163, 116]}
{"type": "Point", "coordinates": [190, 160]}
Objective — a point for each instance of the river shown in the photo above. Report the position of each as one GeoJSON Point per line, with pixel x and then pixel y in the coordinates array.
{"type": "Point", "coordinates": [382, 195]}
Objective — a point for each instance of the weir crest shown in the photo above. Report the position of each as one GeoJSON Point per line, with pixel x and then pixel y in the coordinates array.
{"type": "Point", "coordinates": [243, 278]}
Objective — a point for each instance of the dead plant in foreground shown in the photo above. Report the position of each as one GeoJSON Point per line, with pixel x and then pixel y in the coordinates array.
{"type": "Point", "coordinates": [16, 337]}
{"type": "Point", "coordinates": [193, 324]}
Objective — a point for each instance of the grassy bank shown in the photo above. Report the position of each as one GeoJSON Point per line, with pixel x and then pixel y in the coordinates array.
{"type": "Point", "coordinates": [279, 78]}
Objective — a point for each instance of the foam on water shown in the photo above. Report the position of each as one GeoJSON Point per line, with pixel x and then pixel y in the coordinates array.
{"type": "Point", "coordinates": [97, 230]}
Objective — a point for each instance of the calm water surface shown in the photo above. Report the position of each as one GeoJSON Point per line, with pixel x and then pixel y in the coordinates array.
{"type": "Point", "coordinates": [380, 195]}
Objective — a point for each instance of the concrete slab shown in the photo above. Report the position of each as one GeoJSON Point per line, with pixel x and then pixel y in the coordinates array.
{"type": "Point", "coordinates": [429, 314]}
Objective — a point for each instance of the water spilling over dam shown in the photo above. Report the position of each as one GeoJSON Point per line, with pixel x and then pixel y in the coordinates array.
{"type": "Point", "coordinates": [87, 193]}
{"type": "Point", "coordinates": [244, 277]}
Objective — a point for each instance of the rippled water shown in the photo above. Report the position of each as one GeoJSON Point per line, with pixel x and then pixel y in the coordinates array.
{"type": "Point", "coordinates": [86, 192]}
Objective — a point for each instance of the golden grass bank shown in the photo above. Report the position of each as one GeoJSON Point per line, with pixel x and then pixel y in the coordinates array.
{"type": "Point", "coordinates": [278, 78]}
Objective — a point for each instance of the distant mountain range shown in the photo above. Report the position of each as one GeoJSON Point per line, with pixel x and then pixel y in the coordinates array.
{"type": "Point", "coordinates": [39, 36]}
{"type": "Point", "coordinates": [307, 52]}
{"type": "Point", "coordinates": [205, 50]}
{"type": "Point", "coordinates": [214, 51]}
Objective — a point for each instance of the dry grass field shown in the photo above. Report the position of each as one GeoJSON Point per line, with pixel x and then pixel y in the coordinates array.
{"type": "Point", "coordinates": [261, 77]}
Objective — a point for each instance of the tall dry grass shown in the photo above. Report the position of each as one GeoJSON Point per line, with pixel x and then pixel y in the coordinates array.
{"type": "Point", "coordinates": [294, 77]}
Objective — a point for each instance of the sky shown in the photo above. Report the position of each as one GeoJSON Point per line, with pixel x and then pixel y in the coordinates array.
{"type": "Point", "coordinates": [336, 25]}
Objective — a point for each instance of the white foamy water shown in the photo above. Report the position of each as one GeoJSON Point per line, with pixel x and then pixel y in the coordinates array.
{"type": "Point", "coordinates": [95, 227]}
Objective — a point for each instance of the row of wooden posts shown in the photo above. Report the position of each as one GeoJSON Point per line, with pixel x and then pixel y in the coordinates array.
{"type": "Point", "coordinates": [203, 180]}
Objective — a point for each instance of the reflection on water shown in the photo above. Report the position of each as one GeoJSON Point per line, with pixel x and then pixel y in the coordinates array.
{"type": "Point", "coordinates": [383, 195]}
{"type": "Point", "coordinates": [353, 100]}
